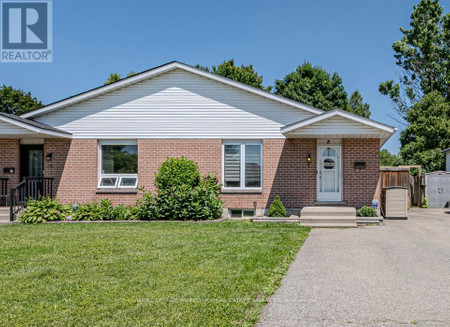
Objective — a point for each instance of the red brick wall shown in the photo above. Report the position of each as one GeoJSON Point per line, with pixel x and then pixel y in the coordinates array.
{"type": "Point", "coordinates": [285, 169]}
{"type": "Point", "coordinates": [10, 157]}
{"type": "Point", "coordinates": [360, 186]}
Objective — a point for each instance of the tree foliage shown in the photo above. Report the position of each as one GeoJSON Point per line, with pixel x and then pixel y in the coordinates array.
{"type": "Point", "coordinates": [357, 105]}
{"type": "Point", "coordinates": [245, 73]}
{"type": "Point", "coordinates": [314, 86]}
{"type": "Point", "coordinates": [388, 159]}
{"type": "Point", "coordinates": [428, 133]}
{"type": "Point", "coordinates": [17, 102]}
{"type": "Point", "coordinates": [115, 77]}
{"type": "Point", "coordinates": [423, 53]}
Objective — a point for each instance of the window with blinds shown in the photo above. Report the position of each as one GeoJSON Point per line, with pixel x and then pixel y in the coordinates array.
{"type": "Point", "coordinates": [232, 165]}
{"type": "Point", "coordinates": [242, 164]}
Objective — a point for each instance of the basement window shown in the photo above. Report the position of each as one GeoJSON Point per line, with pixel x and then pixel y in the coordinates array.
{"type": "Point", "coordinates": [118, 164]}
{"type": "Point", "coordinates": [241, 213]}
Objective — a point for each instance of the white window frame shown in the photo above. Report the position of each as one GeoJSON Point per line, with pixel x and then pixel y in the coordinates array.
{"type": "Point", "coordinates": [118, 176]}
{"type": "Point", "coordinates": [242, 144]}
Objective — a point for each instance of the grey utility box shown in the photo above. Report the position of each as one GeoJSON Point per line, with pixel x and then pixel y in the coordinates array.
{"type": "Point", "coordinates": [395, 202]}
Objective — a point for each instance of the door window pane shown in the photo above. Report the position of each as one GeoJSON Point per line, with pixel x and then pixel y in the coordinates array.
{"type": "Point", "coordinates": [252, 166]}
{"type": "Point", "coordinates": [232, 165]}
{"type": "Point", "coordinates": [35, 162]}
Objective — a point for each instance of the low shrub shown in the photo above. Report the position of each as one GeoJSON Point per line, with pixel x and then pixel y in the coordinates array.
{"type": "Point", "coordinates": [123, 212]}
{"type": "Point", "coordinates": [43, 210]}
{"type": "Point", "coordinates": [277, 209]}
{"type": "Point", "coordinates": [425, 202]}
{"type": "Point", "coordinates": [94, 211]}
{"type": "Point", "coordinates": [175, 172]}
{"type": "Point", "coordinates": [182, 194]}
{"type": "Point", "coordinates": [367, 211]}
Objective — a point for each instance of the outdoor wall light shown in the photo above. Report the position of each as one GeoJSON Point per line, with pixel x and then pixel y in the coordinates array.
{"type": "Point", "coordinates": [308, 159]}
{"type": "Point", "coordinates": [49, 156]}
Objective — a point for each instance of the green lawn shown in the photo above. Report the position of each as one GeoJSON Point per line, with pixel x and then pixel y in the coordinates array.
{"type": "Point", "coordinates": [171, 274]}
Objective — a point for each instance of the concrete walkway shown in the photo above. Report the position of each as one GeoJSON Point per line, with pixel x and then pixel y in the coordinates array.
{"type": "Point", "coordinates": [396, 274]}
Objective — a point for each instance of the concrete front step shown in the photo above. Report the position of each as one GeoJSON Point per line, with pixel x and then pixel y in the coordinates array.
{"type": "Point", "coordinates": [328, 217]}
{"type": "Point", "coordinates": [4, 215]}
{"type": "Point", "coordinates": [368, 220]}
{"type": "Point", "coordinates": [328, 211]}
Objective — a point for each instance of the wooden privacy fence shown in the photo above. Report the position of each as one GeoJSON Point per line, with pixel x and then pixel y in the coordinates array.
{"type": "Point", "coordinates": [400, 176]}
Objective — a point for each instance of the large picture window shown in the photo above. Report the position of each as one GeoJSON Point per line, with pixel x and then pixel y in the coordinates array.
{"type": "Point", "coordinates": [118, 164]}
{"type": "Point", "coordinates": [242, 161]}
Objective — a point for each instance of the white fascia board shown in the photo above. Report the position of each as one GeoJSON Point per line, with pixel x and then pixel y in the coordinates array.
{"type": "Point", "coordinates": [34, 129]}
{"type": "Point", "coordinates": [341, 113]}
{"type": "Point", "coordinates": [160, 70]}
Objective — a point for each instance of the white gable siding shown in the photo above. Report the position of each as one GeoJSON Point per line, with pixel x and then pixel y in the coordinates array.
{"type": "Point", "coordinates": [177, 104]}
{"type": "Point", "coordinates": [10, 129]}
{"type": "Point", "coordinates": [337, 126]}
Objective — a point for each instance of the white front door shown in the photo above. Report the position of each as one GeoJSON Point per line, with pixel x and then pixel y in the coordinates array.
{"type": "Point", "coordinates": [329, 177]}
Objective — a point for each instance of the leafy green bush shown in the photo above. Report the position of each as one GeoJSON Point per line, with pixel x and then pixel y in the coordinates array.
{"type": "Point", "coordinates": [123, 212]}
{"type": "Point", "coordinates": [94, 211]}
{"type": "Point", "coordinates": [277, 209]}
{"type": "Point", "coordinates": [175, 172]}
{"type": "Point", "coordinates": [425, 202]}
{"type": "Point", "coordinates": [182, 194]}
{"type": "Point", "coordinates": [44, 209]}
{"type": "Point", "coordinates": [367, 211]}
{"type": "Point", "coordinates": [148, 206]}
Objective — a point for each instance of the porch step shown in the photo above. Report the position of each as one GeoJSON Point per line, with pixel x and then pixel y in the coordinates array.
{"type": "Point", "coordinates": [4, 215]}
{"type": "Point", "coordinates": [328, 217]}
{"type": "Point", "coordinates": [368, 220]}
{"type": "Point", "coordinates": [330, 204]}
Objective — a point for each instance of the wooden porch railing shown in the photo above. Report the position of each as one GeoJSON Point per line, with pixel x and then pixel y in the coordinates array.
{"type": "Point", "coordinates": [29, 188]}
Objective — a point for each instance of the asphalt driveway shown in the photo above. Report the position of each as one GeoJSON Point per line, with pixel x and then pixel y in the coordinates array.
{"type": "Point", "coordinates": [394, 274]}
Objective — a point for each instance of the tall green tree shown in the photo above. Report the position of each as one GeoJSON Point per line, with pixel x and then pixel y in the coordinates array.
{"type": "Point", "coordinates": [17, 102]}
{"type": "Point", "coordinates": [245, 73]}
{"type": "Point", "coordinates": [115, 77]}
{"type": "Point", "coordinates": [388, 159]}
{"type": "Point", "coordinates": [428, 133]}
{"type": "Point", "coordinates": [314, 86]}
{"type": "Point", "coordinates": [423, 54]}
{"type": "Point", "coordinates": [357, 105]}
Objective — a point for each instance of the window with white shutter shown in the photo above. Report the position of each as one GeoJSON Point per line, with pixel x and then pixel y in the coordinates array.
{"type": "Point", "coordinates": [242, 164]}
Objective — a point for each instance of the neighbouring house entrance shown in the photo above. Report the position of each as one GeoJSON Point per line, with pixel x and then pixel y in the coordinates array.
{"type": "Point", "coordinates": [329, 177]}
{"type": "Point", "coordinates": [31, 161]}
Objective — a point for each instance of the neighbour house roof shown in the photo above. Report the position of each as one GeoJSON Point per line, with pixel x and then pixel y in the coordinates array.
{"type": "Point", "coordinates": [33, 126]}
{"type": "Point", "coordinates": [339, 123]}
{"type": "Point", "coordinates": [158, 71]}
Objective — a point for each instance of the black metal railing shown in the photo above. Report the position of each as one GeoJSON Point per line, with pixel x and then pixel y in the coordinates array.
{"type": "Point", "coordinates": [3, 191]}
{"type": "Point", "coordinates": [29, 188]}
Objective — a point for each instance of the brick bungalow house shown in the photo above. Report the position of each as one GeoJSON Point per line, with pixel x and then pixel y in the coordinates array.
{"type": "Point", "coordinates": [110, 140]}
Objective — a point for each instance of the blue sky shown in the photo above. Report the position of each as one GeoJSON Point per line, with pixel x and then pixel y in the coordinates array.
{"type": "Point", "coordinates": [91, 39]}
